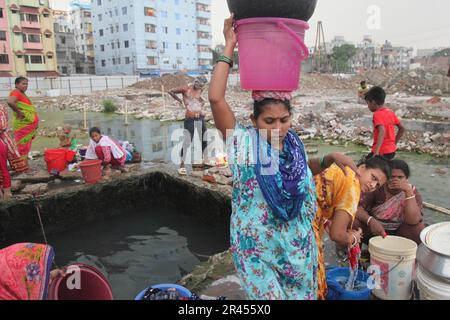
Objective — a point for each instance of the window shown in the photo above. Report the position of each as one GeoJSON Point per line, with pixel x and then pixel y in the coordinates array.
{"type": "Point", "coordinates": [117, 28]}
{"type": "Point", "coordinates": [151, 44]}
{"type": "Point", "coordinates": [1, 13]}
{"type": "Point", "coordinates": [178, 31]}
{"type": "Point", "coordinates": [119, 61]}
{"type": "Point", "coordinates": [101, 32]}
{"type": "Point", "coordinates": [33, 38]}
{"type": "Point", "coordinates": [63, 40]}
{"type": "Point", "coordinates": [112, 29]}
{"type": "Point", "coordinates": [114, 61]}
{"type": "Point", "coordinates": [157, 147]}
{"type": "Point", "coordinates": [125, 27]}
{"type": "Point", "coordinates": [126, 44]}
{"type": "Point", "coordinates": [34, 59]}
{"type": "Point", "coordinates": [99, 2]}
{"type": "Point", "coordinates": [165, 45]}
{"type": "Point", "coordinates": [164, 14]}
{"type": "Point", "coordinates": [110, 14]}
{"type": "Point", "coordinates": [177, 2]}
{"type": "Point", "coordinates": [102, 47]}
{"type": "Point", "coordinates": [118, 45]}
{"type": "Point", "coordinates": [124, 11]}
{"type": "Point", "coordinates": [112, 45]}
{"type": "Point", "coordinates": [178, 46]}
{"type": "Point", "coordinates": [117, 12]}
{"type": "Point", "coordinates": [150, 28]}
{"type": "Point", "coordinates": [151, 61]}
{"type": "Point", "coordinates": [4, 59]}
{"type": "Point", "coordinates": [103, 63]}
{"type": "Point", "coordinates": [127, 60]}
{"type": "Point", "coordinates": [2, 35]}
{"type": "Point", "coordinates": [166, 30]}
{"type": "Point", "coordinates": [177, 16]}
{"type": "Point", "coordinates": [149, 12]}
{"type": "Point", "coordinates": [100, 17]}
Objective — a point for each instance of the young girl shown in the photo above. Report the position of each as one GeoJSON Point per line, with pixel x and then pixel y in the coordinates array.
{"type": "Point", "coordinates": [271, 234]}
{"type": "Point", "coordinates": [337, 199]}
{"type": "Point", "coordinates": [106, 149]}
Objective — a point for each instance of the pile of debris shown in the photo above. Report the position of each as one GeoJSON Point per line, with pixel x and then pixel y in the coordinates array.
{"type": "Point", "coordinates": [416, 82]}
{"type": "Point", "coordinates": [169, 82]}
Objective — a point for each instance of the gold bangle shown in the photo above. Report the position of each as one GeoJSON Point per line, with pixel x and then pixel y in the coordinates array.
{"type": "Point", "coordinates": [409, 198]}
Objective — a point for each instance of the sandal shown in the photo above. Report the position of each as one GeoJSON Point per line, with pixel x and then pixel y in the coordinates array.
{"type": "Point", "coordinates": [182, 171]}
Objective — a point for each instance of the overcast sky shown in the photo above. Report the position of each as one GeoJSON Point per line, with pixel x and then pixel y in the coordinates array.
{"type": "Point", "coordinates": [417, 23]}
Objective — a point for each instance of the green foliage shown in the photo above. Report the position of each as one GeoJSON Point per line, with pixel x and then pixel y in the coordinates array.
{"type": "Point", "coordinates": [443, 53]}
{"type": "Point", "coordinates": [341, 57]}
{"type": "Point", "coordinates": [109, 106]}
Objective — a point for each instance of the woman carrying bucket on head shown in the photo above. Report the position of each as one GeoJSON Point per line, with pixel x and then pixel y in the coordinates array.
{"type": "Point", "coordinates": [271, 234]}
{"type": "Point", "coordinates": [337, 200]}
{"type": "Point", "coordinates": [106, 149]}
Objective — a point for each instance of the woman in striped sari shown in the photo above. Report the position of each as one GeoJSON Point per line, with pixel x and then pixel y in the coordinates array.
{"type": "Point", "coordinates": [25, 118]}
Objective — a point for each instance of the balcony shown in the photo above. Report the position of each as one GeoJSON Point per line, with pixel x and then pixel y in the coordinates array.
{"type": "Point", "coordinates": [30, 24]}
{"type": "Point", "coordinates": [30, 3]}
{"type": "Point", "coordinates": [36, 67]}
{"type": "Point", "coordinates": [204, 41]}
{"type": "Point", "coordinates": [203, 14]}
{"type": "Point", "coordinates": [207, 2]}
{"type": "Point", "coordinates": [33, 45]}
{"type": "Point", "coordinates": [203, 27]}
{"type": "Point", "coordinates": [205, 55]}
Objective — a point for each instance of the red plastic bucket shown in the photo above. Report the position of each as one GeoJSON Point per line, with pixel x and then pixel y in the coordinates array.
{"type": "Point", "coordinates": [271, 51]}
{"type": "Point", "coordinates": [91, 171]}
{"type": "Point", "coordinates": [82, 282]}
{"type": "Point", "coordinates": [56, 160]}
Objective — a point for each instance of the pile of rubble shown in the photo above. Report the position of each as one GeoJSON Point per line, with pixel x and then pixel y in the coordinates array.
{"type": "Point", "coordinates": [169, 82]}
{"type": "Point", "coordinates": [416, 82]}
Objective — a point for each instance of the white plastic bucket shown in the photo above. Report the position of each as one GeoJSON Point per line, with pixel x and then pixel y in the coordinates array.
{"type": "Point", "coordinates": [431, 287]}
{"type": "Point", "coordinates": [393, 261]}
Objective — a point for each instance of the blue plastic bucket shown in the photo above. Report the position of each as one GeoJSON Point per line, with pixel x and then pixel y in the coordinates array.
{"type": "Point", "coordinates": [337, 292]}
{"type": "Point", "coordinates": [185, 293]}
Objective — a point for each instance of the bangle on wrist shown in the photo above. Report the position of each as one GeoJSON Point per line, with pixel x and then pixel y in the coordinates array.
{"type": "Point", "coordinates": [412, 197]}
{"type": "Point", "coordinates": [368, 221]}
{"type": "Point", "coordinates": [227, 60]}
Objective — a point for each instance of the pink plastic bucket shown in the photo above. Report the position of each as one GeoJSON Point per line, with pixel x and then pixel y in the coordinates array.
{"type": "Point", "coordinates": [271, 51]}
{"type": "Point", "coordinates": [91, 284]}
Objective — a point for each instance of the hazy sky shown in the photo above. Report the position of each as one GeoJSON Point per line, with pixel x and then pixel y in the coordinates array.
{"type": "Point", "coordinates": [416, 23]}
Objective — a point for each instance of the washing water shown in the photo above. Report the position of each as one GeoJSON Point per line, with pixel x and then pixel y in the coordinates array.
{"type": "Point", "coordinates": [356, 285]}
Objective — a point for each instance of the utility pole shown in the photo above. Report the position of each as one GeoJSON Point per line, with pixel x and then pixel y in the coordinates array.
{"type": "Point", "coordinates": [320, 48]}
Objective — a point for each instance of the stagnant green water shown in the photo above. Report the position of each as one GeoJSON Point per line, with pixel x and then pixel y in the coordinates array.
{"type": "Point", "coordinates": [157, 245]}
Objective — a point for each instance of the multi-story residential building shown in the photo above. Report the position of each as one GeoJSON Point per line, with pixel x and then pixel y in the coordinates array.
{"type": "Point", "coordinates": [65, 42]}
{"type": "Point", "coordinates": [6, 55]}
{"type": "Point", "coordinates": [29, 40]}
{"type": "Point", "coordinates": [368, 54]}
{"type": "Point", "coordinates": [81, 19]}
{"type": "Point", "coordinates": [149, 35]}
{"type": "Point", "coordinates": [396, 58]}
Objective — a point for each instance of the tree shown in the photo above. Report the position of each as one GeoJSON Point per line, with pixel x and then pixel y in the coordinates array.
{"type": "Point", "coordinates": [443, 53]}
{"type": "Point", "coordinates": [342, 56]}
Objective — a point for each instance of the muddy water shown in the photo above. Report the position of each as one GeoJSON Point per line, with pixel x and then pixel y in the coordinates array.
{"type": "Point", "coordinates": [140, 248]}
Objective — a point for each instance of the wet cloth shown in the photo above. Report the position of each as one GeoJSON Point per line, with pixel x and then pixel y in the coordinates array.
{"type": "Point", "coordinates": [335, 191]}
{"type": "Point", "coordinates": [25, 271]}
{"type": "Point", "coordinates": [389, 212]}
{"type": "Point", "coordinates": [275, 259]}
{"type": "Point", "coordinates": [16, 161]}
{"type": "Point", "coordinates": [109, 147]}
{"type": "Point", "coordinates": [25, 129]}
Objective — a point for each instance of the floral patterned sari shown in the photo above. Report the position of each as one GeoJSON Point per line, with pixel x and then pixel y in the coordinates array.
{"type": "Point", "coordinates": [25, 271]}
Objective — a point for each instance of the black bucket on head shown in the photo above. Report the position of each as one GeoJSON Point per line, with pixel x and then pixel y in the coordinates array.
{"type": "Point", "coordinates": [292, 9]}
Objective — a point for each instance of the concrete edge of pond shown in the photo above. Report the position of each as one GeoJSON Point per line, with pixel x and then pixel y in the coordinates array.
{"type": "Point", "coordinates": [73, 206]}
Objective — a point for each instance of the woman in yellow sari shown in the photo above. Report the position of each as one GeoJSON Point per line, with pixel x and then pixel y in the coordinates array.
{"type": "Point", "coordinates": [338, 196]}
{"type": "Point", "coordinates": [25, 118]}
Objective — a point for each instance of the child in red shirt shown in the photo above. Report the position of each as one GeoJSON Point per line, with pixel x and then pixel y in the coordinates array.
{"type": "Point", "coordinates": [384, 122]}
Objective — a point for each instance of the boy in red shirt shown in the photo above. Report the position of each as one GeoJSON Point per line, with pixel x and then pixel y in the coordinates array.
{"type": "Point", "coordinates": [384, 120]}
